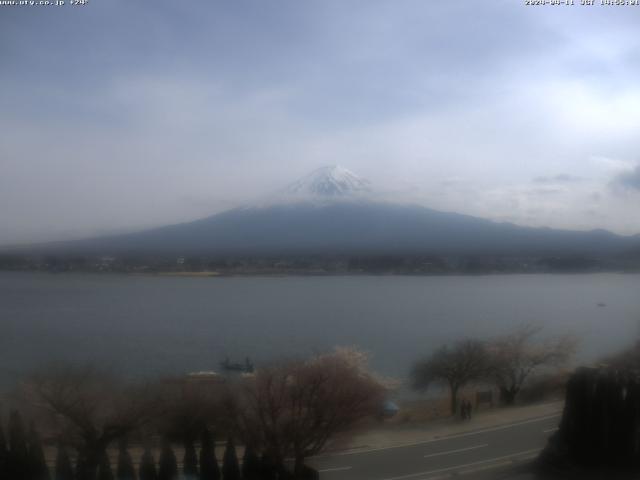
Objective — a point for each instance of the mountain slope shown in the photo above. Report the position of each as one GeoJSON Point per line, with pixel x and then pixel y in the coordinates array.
{"type": "Point", "coordinates": [351, 228]}
{"type": "Point", "coordinates": [332, 211]}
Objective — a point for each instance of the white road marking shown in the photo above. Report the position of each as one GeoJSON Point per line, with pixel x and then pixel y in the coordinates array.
{"type": "Point", "coordinates": [441, 439]}
{"type": "Point", "coordinates": [548, 430]}
{"type": "Point", "coordinates": [465, 465]}
{"type": "Point", "coordinates": [456, 451]}
{"type": "Point", "coordinates": [336, 469]}
{"type": "Point", "coordinates": [493, 429]}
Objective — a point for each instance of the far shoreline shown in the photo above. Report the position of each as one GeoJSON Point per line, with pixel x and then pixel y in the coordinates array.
{"type": "Point", "coordinates": [291, 274]}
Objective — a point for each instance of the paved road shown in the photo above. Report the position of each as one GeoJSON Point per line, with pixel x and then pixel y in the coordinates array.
{"type": "Point", "coordinates": [459, 454]}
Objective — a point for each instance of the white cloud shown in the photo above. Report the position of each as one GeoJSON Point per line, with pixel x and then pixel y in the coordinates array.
{"type": "Point", "coordinates": [455, 105]}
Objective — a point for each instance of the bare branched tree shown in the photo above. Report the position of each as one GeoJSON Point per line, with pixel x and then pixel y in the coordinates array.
{"type": "Point", "coordinates": [514, 357]}
{"type": "Point", "coordinates": [297, 407]}
{"type": "Point", "coordinates": [456, 366]}
{"type": "Point", "coordinates": [190, 405]}
{"type": "Point", "coordinates": [89, 409]}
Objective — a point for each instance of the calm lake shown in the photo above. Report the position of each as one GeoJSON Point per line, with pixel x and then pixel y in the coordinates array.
{"type": "Point", "coordinates": [146, 325]}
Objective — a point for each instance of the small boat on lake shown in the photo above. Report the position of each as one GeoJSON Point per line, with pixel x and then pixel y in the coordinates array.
{"type": "Point", "coordinates": [229, 366]}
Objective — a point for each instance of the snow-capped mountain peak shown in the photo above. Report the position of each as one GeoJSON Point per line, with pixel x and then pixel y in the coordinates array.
{"type": "Point", "coordinates": [329, 182]}
{"type": "Point", "coordinates": [327, 185]}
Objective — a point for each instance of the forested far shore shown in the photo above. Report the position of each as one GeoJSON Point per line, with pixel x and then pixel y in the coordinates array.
{"type": "Point", "coordinates": [321, 264]}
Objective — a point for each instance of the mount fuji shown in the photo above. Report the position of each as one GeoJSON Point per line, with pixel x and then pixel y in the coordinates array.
{"type": "Point", "coordinates": [332, 211]}
{"type": "Point", "coordinates": [329, 182]}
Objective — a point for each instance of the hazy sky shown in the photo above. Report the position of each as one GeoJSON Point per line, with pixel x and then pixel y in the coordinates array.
{"type": "Point", "coordinates": [128, 114]}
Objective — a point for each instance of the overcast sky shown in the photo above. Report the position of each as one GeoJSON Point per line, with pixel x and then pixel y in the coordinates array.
{"type": "Point", "coordinates": [123, 114]}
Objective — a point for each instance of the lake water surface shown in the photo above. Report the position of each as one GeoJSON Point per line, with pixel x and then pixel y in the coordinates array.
{"type": "Point", "coordinates": [144, 325]}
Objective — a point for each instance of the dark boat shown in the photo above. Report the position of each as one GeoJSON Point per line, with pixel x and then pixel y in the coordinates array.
{"type": "Point", "coordinates": [246, 367]}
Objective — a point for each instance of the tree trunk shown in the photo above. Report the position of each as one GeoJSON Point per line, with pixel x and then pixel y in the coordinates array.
{"type": "Point", "coordinates": [454, 399]}
{"type": "Point", "coordinates": [87, 467]}
{"type": "Point", "coordinates": [303, 472]}
{"type": "Point", "coordinates": [508, 395]}
{"type": "Point", "coordinates": [298, 466]}
{"type": "Point", "coordinates": [89, 458]}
